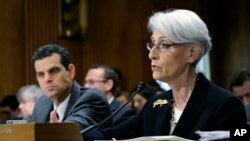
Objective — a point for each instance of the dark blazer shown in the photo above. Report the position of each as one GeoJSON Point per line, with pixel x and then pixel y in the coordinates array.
{"type": "Point", "coordinates": [209, 108]}
{"type": "Point", "coordinates": [85, 107]}
{"type": "Point", "coordinates": [124, 114]}
{"type": "Point", "coordinates": [247, 107]}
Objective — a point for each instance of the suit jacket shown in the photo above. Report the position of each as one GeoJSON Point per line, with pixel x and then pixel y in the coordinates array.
{"type": "Point", "coordinates": [209, 108]}
{"type": "Point", "coordinates": [247, 107]}
{"type": "Point", "coordinates": [85, 107]}
{"type": "Point", "coordinates": [124, 114]}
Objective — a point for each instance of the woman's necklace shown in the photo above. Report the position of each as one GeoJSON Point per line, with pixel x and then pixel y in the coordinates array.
{"type": "Point", "coordinates": [176, 114]}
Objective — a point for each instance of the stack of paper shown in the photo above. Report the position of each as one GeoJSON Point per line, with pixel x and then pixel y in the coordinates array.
{"type": "Point", "coordinates": [213, 135]}
{"type": "Point", "coordinates": [154, 138]}
{"type": "Point", "coordinates": [204, 136]}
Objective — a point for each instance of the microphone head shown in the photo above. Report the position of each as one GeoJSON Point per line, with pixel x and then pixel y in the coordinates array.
{"type": "Point", "coordinates": [140, 85]}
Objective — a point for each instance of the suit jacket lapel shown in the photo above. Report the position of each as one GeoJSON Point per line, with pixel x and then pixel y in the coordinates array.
{"type": "Point", "coordinates": [45, 109]}
{"type": "Point", "coordinates": [193, 108]}
{"type": "Point", "coordinates": [74, 96]}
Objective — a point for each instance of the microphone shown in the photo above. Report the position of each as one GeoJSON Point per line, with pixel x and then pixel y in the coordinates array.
{"type": "Point", "coordinates": [139, 87]}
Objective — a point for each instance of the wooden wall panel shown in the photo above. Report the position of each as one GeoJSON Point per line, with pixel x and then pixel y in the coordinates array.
{"type": "Point", "coordinates": [116, 35]}
{"type": "Point", "coordinates": [230, 37]}
{"type": "Point", "coordinates": [238, 44]}
{"type": "Point", "coordinates": [12, 45]}
{"type": "Point", "coordinates": [41, 27]}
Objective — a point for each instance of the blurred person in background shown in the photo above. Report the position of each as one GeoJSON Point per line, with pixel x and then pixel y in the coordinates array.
{"type": "Point", "coordinates": [158, 86]}
{"type": "Point", "coordinates": [105, 78]}
{"type": "Point", "coordinates": [141, 98]}
{"type": "Point", "coordinates": [9, 108]}
{"type": "Point", "coordinates": [123, 97]}
{"type": "Point", "coordinates": [27, 97]}
{"type": "Point", "coordinates": [239, 85]}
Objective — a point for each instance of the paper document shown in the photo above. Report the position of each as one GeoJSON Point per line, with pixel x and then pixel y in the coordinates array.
{"type": "Point", "coordinates": [154, 138]}
{"type": "Point", "coordinates": [213, 135]}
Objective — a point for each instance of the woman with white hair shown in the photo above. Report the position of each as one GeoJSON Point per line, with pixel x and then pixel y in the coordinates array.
{"type": "Point", "coordinates": [179, 40]}
{"type": "Point", "coordinates": [27, 97]}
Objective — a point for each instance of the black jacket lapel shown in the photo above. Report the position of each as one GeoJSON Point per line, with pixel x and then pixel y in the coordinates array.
{"type": "Point", "coordinates": [194, 107]}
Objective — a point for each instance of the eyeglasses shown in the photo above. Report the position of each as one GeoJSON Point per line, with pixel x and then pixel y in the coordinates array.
{"type": "Point", "coordinates": [91, 82]}
{"type": "Point", "coordinates": [161, 46]}
{"type": "Point", "coordinates": [247, 95]}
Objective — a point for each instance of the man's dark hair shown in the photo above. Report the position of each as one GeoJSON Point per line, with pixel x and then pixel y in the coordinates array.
{"type": "Point", "coordinates": [238, 78]}
{"type": "Point", "coordinates": [48, 50]}
{"type": "Point", "coordinates": [109, 73]}
{"type": "Point", "coordinates": [10, 101]}
{"type": "Point", "coordinates": [147, 92]}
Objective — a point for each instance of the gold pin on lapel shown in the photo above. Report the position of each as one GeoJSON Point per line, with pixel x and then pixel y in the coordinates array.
{"type": "Point", "coordinates": [160, 102]}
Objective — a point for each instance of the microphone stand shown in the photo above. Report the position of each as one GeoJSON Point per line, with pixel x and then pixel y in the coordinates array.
{"type": "Point", "coordinates": [139, 87]}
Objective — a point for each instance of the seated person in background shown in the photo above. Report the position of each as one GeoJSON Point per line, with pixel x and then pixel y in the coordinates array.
{"type": "Point", "coordinates": [179, 40]}
{"type": "Point", "coordinates": [239, 85]}
{"type": "Point", "coordinates": [64, 99]}
{"type": "Point", "coordinates": [142, 97]}
{"type": "Point", "coordinates": [156, 86]}
{"type": "Point", "coordinates": [9, 108]}
{"type": "Point", "coordinates": [27, 97]}
{"type": "Point", "coordinates": [104, 78]}
{"type": "Point", "coordinates": [247, 107]}
{"type": "Point", "coordinates": [123, 97]}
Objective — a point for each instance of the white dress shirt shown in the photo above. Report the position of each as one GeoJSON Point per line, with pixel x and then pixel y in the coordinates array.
{"type": "Point", "coordinates": [61, 108]}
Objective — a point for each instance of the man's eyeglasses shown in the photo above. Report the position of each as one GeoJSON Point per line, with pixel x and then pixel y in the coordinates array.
{"type": "Point", "coordinates": [161, 46]}
{"type": "Point", "coordinates": [91, 82]}
{"type": "Point", "coordinates": [247, 95]}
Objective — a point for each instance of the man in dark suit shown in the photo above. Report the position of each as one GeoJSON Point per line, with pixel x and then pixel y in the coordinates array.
{"type": "Point", "coordinates": [64, 99]}
{"type": "Point", "coordinates": [239, 85]}
{"type": "Point", "coordinates": [105, 78]}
